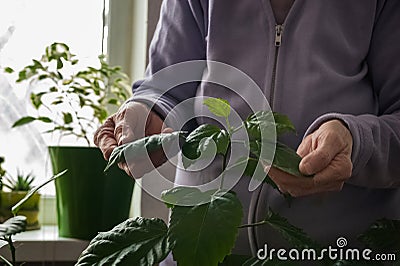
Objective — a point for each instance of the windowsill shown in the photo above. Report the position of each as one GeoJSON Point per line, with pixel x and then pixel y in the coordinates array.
{"type": "Point", "coordinates": [45, 245]}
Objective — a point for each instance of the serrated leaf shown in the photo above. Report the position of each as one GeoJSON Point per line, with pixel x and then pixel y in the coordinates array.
{"type": "Point", "coordinates": [12, 226]}
{"type": "Point", "coordinates": [205, 234]}
{"type": "Point", "coordinates": [200, 141]}
{"type": "Point", "coordinates": [283, 124]}
{"type": "Point", "coordinates": [218, 107]}
{"type": "Point", "coordinates": [186, 196]}
{"type": "Point", "coordinates": [294, 235]}
{"type": "Point", "coordinates": [266, 121]}
{"type": "Point", "coordinates": [138, 241]}
{"type": "Point", "coordinates": [287, 160]}
{"type": "Point", "coordinates": [23, 121]}
{"type": "Point", "coordinates": [383, 235]}
{"type": "Point", "coordinates": [141, 147]}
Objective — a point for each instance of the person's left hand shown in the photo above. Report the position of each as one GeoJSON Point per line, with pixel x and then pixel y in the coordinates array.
{"type": "Point", "coordinates": [326, 154]}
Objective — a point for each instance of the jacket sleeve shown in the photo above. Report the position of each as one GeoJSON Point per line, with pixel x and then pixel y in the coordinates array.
{"type": "Point", "coordinates": [179, 37]}
{"type": "Point", "coordinates": [376, 138]}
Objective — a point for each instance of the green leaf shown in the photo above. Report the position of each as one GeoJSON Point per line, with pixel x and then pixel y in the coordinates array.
{"type": "Point", "coordinates": [186, 196]}
{"type": "Point", "coordinates": [59, 64]}
{"type": "Point", "coordinates": [200, 141]}
{"type": "Point", "coordinates": [234, 260]}
{"type": "Point", "coordinates": [44, 119]}
{"type": "Point", "coordinates": [23, 121]}
{"type": "Point", "coordinates": [138, 241]}
{"type": "Point", "coordinates": [294, 235]}
{"type": "Point", "coordinates": [141, 147]}
{"type": "Point", "coordinates": [287, 160]}
{"type": "Point", "coordinates": [12, 226]}
{"type": "Point", "coordinates": [36, 99]}
{"type": "Point", "coordinates": [383, 235]}
{"type": "Point", "coordinates": [283, 124]}
{"type": "Point", "coordinates": [205, 234]}
{"type": "Point", "coordinates": [266, 121]}
{"type": "Point", "coordinates": [17, 206]}
{"type": "Point", "coordinates": [67, 118]}
{"type": "Point", "coordinates": [8, 70]}
{"type": "Point", "coordinates": [218, 107]}
{"type": "Point", "coordinates": [112, 101]}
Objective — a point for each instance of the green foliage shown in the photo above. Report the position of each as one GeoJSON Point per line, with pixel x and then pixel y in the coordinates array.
{"type": "Point", "coordinates": [2, 172]}
{"type": "Point", "coordinates": [204, 234]}
{"type": "Point", "coordinates": [218, 107]}
{"type": "Point", "coordinates": [383, 235]}
{"type": "Point", "coordinates": [21, 183]}
{"type": "Point", "coordinates": [67, 95]}
{"type": "Point", "coordinates": [203, 225]}
{"type": "Point", "coordinates": [32, 191]}
{"type": "Point", "coordinates": [138, 241]}
{"type": "Point", "coordinates": [201, 141]}
{"type": "Point", "coordinates": [142, 147]}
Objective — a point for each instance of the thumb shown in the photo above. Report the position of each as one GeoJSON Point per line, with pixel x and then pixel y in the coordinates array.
{"type": "Point", "coordinates": [166, 129]}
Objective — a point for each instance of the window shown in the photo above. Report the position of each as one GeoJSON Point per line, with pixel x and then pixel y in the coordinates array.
{"type": "Point", "coordinates": [26, 28]}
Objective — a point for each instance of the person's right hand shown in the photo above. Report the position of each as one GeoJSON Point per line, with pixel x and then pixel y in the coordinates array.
{"type": "Point", "coordinates": [132, 121]}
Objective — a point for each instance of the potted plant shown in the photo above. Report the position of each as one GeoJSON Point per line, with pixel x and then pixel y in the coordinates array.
{"type": "Point", "coordinates": [75, 103]}
{"type": "Point", "coordinates": [203, 225]}
{"type": "Point", "coordinates": [18, 188]}
{"type": "Point", "coordinates": [18, 224]}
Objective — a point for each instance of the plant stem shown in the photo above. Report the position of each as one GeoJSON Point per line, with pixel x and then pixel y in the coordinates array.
{"type": "Point", "coordinates": [6, 261]}
{"type": "Point", "coordinates": [254, 224]}
{"type": "Point", "coordinates": [234, 130]}
{"type": "Point", "coordinates": [224, 162]}
{"type": "Point", "coordinates": [12, 249]}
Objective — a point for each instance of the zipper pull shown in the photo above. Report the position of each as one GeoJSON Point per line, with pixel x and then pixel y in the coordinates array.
{"type": "Point", "coordinates": [278, 35]}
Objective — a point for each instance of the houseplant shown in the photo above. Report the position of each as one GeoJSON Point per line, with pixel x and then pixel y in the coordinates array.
{"type": "Point", "coordinates": [18, 224]}
{"type": "Point", "coordinates": [204, 224]}
{"type": "Point", "coordinates": [74, 103]}
{"type": "Point", "coordinates": [18, 188]}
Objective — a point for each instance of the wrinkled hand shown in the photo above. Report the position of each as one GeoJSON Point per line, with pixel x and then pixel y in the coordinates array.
{"type": "Point", "coordinates": [133, 121]}
{"type": "Point", "coordinates": [326, 154]}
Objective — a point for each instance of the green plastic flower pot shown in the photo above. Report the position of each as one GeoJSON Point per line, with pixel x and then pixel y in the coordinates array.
{"type": "Point", "coordinates": [88, 200]}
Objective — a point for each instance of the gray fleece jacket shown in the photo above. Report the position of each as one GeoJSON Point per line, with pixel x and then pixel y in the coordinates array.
{"type": "Point", "coordinates": [337, 59]}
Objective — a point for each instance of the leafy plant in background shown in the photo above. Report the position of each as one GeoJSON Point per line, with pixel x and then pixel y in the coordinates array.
{"type": "Point", "coordinates": [17, 224]}
{"type": "Point", "coordinates": [21, 183]}
{"type": "Point", "coordinates": [9, 228]}
{"type": "Point", "coordinates": [204, 233]}
{"type": "Point", "coordinates": [2, 172]}
{"type": "Point", "coordinates": [63, 99]}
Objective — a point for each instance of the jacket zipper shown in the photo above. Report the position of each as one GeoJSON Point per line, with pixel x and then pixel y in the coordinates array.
{"type": "Point", "coordinates": [278, 42]}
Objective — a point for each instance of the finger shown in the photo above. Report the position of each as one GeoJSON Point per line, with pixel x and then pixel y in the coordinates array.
{"type": "Point", "coordinates": [125, 167]}
{"type": "Point", "coordinates": [305, 146]}
{"type": "Point", "coordinates": [339, 170]}
{"type": "Point", "coordinates": [130, 121]}
{"type": "Point", "coordinates": [154, 124]}
{"type": "Point", "coordinates": [319, 158]}
{"type": "Point", "coordinates": [167, 130]}
{"type": "Point", "coordinates": [104, 138]}
{"type": "Point", "coordinates": [127, 135]}
{"type": "Point", "coordinates": [294, 185]}
{"type": "Point", "coordinates": [139, 167]}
